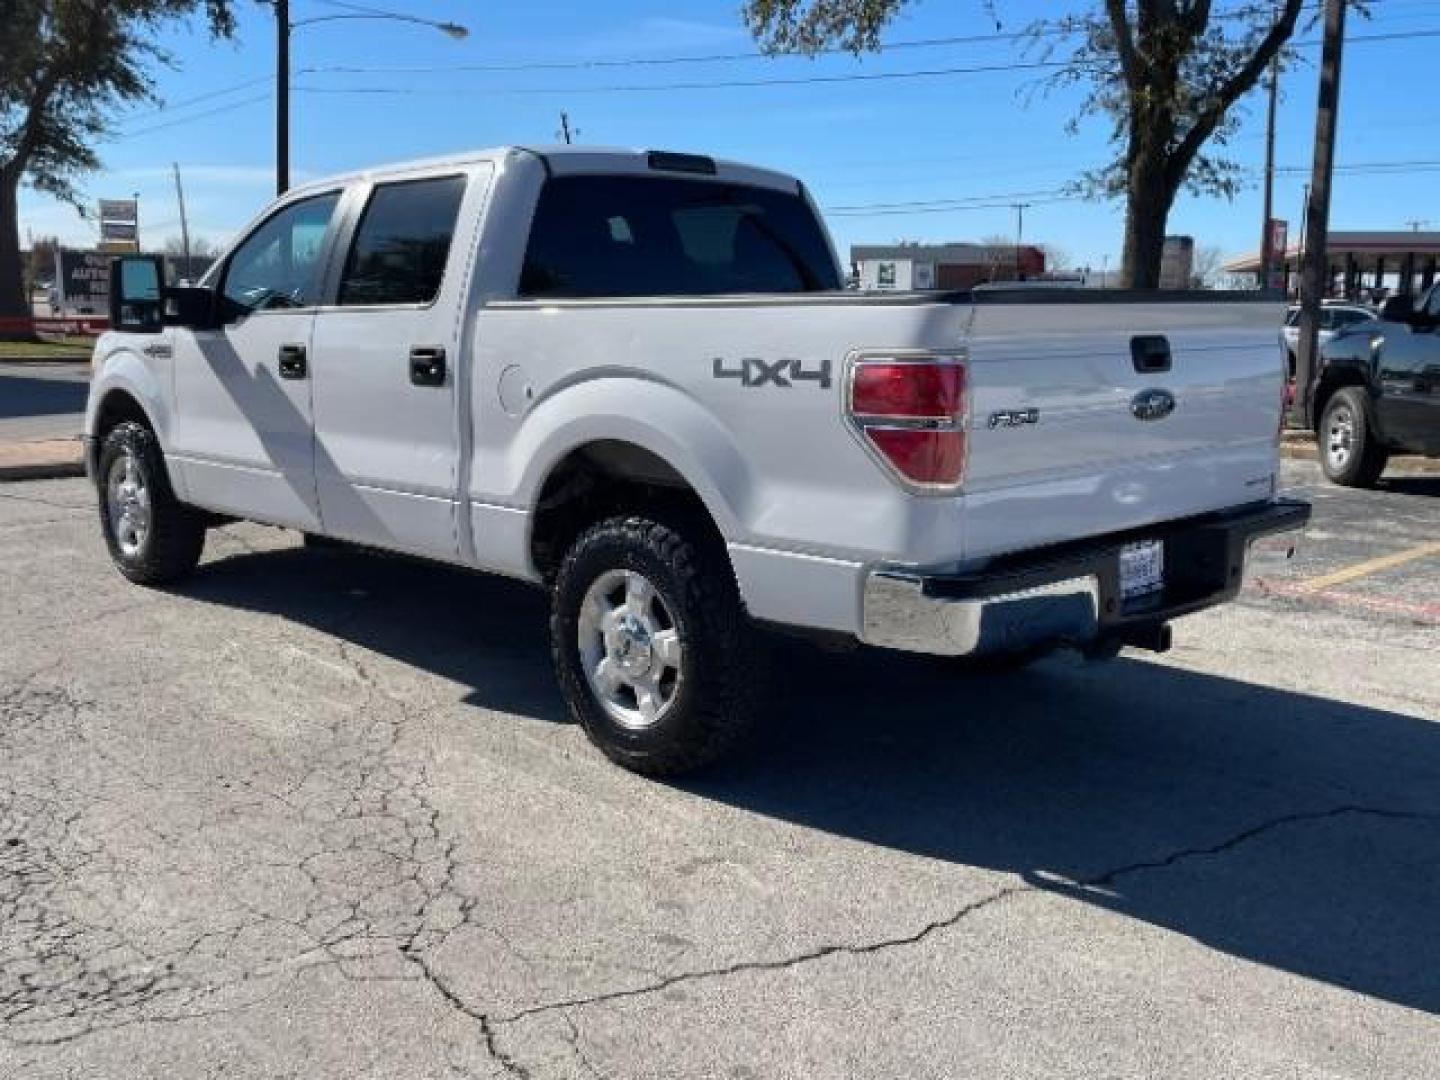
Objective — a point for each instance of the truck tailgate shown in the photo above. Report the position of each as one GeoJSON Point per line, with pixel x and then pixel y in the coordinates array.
{"type": "Point", "coordinates": [1070, 437]}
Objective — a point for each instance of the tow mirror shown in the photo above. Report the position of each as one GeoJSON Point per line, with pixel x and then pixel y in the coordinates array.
{"type": "Point", "coordinates": [191, 306]}
{"type": "Point", "coordinates": [137, 285]}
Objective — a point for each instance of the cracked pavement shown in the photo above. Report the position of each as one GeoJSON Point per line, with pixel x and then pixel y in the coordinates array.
{"type": "Point", "coordinates": [319, 814]}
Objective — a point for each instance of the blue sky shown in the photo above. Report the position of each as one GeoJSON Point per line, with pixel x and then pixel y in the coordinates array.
{"type": "Point", "coordinates": [986, 137]}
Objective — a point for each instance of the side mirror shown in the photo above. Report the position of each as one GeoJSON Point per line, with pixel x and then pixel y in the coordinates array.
{"type": "Point", "coordinates": [191, 306]}
{"type": "Point", "coordinates": [136, 288]}
{"type": "Point", "coordinates": [1397, 309]}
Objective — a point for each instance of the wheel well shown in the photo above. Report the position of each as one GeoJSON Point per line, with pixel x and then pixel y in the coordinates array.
{"type": "Point", "coordinates": [116, 408]}
{"type": "Point", "coordinates": [1330, 383]}
{"type": "Point", "coordinates": [603, 479]}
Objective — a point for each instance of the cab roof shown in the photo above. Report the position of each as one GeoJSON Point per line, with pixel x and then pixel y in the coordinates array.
{"type": "Point", "coordinates": [568, 160]}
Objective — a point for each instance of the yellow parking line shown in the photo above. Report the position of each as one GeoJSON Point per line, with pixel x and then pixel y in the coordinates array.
{"type": "Point", "coordinates": [1369, 566]}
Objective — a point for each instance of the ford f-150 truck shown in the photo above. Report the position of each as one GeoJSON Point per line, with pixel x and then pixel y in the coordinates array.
{"type": "Point", "coordinates": [1377, 390]}
{"type": "Point", "coordinates": [634, 379]}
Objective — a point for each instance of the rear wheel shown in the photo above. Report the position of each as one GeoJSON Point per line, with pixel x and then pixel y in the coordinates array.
{"type": "Point", "coordinates": [1350, 454]}
{"type": "Point", "coordinates": [652, 647]}
{"type": "Point", "coordinates": [153, 538]}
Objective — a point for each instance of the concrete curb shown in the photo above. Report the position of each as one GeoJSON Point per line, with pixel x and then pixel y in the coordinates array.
{"type": "Point", "coordinates": [48, 459]}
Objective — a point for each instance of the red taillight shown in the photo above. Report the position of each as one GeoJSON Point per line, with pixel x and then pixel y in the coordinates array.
{"type": "Point", "coordinates": [916, 390]}
{"type": "Point", "coordinates": [912, 414]}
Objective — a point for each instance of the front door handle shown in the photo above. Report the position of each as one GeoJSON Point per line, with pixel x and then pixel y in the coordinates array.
{"type": "Point", "coordinates": [292, 361]}
{"type": "Point", "coordinates": [427, 365]}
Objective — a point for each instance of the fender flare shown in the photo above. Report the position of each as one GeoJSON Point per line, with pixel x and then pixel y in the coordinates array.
{"type": "Point", "coordinates": [645, 412]}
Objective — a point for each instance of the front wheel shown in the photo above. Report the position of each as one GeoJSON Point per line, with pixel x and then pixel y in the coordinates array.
{"type": "Point", "coordinates": [1350, 454]}
{"type": "Point", "coordinates": [652, 647]}
{"type": "Point", "coordinates": [153, 538]}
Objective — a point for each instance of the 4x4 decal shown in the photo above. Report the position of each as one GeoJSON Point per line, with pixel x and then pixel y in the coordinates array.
{"type": "Point", "coordinates": [784, 373]}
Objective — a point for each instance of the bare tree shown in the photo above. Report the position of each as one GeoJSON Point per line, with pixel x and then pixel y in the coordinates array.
{"type": "Point", "coordinates": [1205, 266]}
{"type": "Point", "coordinates": [1165, 74]}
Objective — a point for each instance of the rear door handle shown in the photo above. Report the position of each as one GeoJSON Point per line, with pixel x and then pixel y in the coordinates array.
{"type": "Point", "coordinates": [427, 365]}
{"type": "Point", "coordinates": [292, 362]}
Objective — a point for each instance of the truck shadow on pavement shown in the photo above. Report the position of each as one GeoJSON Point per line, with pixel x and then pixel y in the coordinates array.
{"type": "Point", "coordinates": [1281, 828]}
{"type": "Point", "coordinates": [1412, 485]}
{"type": "Point", "coordinates": [27, 396]}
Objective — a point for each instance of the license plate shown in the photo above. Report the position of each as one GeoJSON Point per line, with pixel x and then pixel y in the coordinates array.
{"type": "Point", "coordinates": [1142, 568]}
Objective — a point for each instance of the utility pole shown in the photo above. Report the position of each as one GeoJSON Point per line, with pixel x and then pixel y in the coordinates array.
{"type": "Point", "coordinates": [1316, 271]}
{"type": "Point", "coordinates": [1019, 209]}
{"type": "Point", "coordinates": [282, 96]}
{"type": "Point", "coordinates": [565, 127]}
{"type": "Point", "coordinates": [1267, 240]}
{"type": "Point", "coordinates": [184, 223]}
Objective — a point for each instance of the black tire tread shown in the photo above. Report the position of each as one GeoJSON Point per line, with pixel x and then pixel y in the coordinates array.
{"type": "Point", "coordinates": [725, 702]}
{"type": "Point", "coordinates": [1364, 468]}
{"type": "Point", "coordinates": [177, 532]}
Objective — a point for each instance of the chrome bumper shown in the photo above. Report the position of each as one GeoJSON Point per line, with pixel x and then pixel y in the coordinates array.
{"type": "Point", "coordinates": [1070, 595]}
{"type": "Point", "coordinates": [898, 615]}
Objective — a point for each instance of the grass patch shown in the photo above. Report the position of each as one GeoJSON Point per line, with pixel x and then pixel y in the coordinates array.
{"type": "Point", "coordinates": [76, 348]}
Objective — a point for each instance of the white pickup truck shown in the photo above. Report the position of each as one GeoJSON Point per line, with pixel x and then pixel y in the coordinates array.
{"type": "Point", "coordinates": [635, 379]}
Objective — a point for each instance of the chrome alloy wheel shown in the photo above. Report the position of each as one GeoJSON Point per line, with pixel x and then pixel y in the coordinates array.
{"type": "Point", "coordinates": [1340, 437]}
{"type": "Point", "coordinates": [630, 649]}
{"type": "Point", "coordinates": [128, 498]}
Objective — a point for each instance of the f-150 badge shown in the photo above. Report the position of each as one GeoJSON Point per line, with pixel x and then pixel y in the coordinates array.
{"type": "Point", "coordinates": [753, 371]}
{"type": "Point", "coordinates": [1014, 418]}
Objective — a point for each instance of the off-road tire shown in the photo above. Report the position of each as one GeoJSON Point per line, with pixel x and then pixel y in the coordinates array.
{"type": "Point", "coordinates": [721, 683]}
{"type": "Point", "coordinates": [1367, 458]}
{"type": "Point", "coordinates": [175, 534]}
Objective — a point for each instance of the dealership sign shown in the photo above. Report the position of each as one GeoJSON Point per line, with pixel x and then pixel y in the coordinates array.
{"type": "Point", "coordinates": [82, 279]}
{"type": "Point", "coordinates": [119, 220]}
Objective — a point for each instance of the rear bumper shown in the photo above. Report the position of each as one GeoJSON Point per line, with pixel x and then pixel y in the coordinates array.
{"type": "Point", "coordinates": [1070, 594]}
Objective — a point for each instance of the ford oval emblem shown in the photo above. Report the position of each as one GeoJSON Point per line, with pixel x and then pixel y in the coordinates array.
{"type": "Point", "coordinates": [1152, 404]}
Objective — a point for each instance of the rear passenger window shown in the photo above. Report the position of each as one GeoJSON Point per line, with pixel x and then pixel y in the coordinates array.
{"type": "Point", "coordinates": [399, 252]}
{"type": "Point", "coordinates": [669, 236]}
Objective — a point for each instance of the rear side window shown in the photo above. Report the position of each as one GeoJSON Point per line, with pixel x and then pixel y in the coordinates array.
{"type": "Point", "coordinates": [400, 248]}
{"type": "Point", "coordinates": [669, 236]}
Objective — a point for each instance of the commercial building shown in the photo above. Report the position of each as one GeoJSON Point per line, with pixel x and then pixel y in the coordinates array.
{"type": "Point", "coordinates": [942, 266]}
{"type": "Point", "coordinates": [1365, 264]}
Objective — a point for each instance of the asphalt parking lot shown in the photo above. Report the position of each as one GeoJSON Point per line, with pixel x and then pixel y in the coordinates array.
{"type": "Point", "coordinates": [318, 814]}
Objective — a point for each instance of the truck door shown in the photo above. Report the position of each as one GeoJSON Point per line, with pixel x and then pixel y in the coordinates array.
{"type": "Point", "coordinates": [388, 370]}
{"type": "Point", "coordinates": [1410, 378]}
{"type": "Point", "coordinates": [241, 433]}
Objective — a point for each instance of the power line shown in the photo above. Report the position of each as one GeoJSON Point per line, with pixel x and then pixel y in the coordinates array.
{"type": "Point", "coordinates": [728, 84]}
{"type": "Point", "coordinates": [733, 84]}
{"type": "Point", "coordinates": [922, 43]}
{"type": "Point", "coordinates": [231, 107]}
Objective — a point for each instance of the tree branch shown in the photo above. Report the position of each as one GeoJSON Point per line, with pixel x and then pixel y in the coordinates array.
{"type": "Point", "coordinates": [1233, 89]}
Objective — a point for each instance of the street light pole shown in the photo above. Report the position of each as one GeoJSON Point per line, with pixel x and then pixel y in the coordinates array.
{"type": "Point", "coordinates": [282, 97]}
{"type": "Point", "coordinates": [283, 27]}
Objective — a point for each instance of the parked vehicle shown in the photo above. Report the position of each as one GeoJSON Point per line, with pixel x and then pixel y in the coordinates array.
{"type": "Point", "coordinates": [1335, 317]}
{"type": "Point", "coordinates": [635, 379]}
{"type": "Point", "coordinates": [1377, 390]}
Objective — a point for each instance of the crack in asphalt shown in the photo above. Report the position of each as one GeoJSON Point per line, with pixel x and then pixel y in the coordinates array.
{"type": "Point", "coordinates": [1108, 877]}
{"type": "Point", "coordinates": [358, 833]}
{"type": "Point", "coordinates": [1246, 835]}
